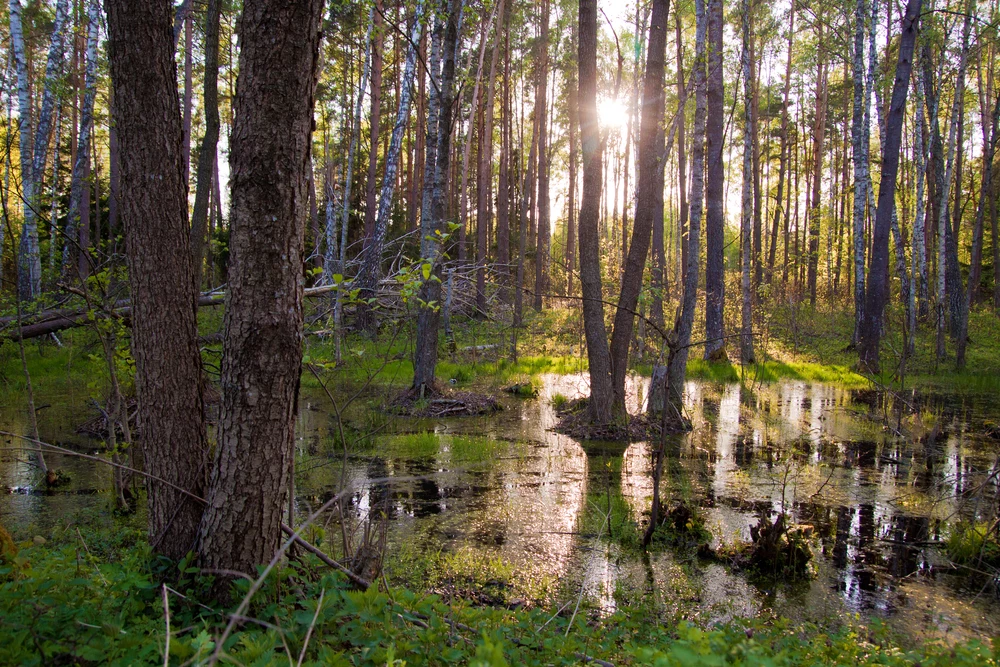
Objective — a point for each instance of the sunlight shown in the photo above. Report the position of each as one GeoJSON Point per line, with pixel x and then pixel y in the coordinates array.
{"type": "Point", "coordinates": [613, 114]}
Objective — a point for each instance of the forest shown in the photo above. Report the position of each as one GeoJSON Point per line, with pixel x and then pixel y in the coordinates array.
{"type": "Point", "coordinates": [391, 332]}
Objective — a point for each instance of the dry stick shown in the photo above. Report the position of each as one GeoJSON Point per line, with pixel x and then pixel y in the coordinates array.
{"type": "Point", "coordinates": [305, 643]}
{"type": "Point", "coordinates": [166, 615]}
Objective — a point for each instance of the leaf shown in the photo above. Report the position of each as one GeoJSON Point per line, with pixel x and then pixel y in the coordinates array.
{"type": "Point", "coordinates": [426, 269]}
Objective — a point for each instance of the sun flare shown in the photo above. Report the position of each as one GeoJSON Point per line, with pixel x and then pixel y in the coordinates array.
{"type": "Point", "coordinates": [613, 114]}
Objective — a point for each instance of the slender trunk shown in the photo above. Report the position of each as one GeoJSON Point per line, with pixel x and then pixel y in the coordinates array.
{"type": "Point", "coordinates": [877, 288]}
{"type": "Point", "coordinates": [77, 216]}
{"type": "Point", "coordinates": [919, 254]}
{"type": "Point", "coordinates": [860, 156]}
{"type": "Point", "coordinates": [715, 224]}
{"type": "Point", "coordinates": [188, 91]}
{"type": "Point", "coordinates": [209, 143]}
{"type": "Point", "coordinates": [783, 149]}
{"type": "Point", "coordinates": [164, 324]}
{"type": "Point", "coordinates": [485, 178]}
{"type": "Point", "coordinates": [262, 352]}
{"type": "Point", "coordinates": [375, 120]}
{"type": "Point", "coordinates": [544, 228]}
{"type": "Point", "coordinates": [463, 207]}
{"type": "Point", "coordinates": [34, 146]}
{"type": "Point", "coordinates": [677, 363]}
{"type": "Point", "coordinates": [747, 227]}
{"type": "Point", "coordinates": [504, 184]}
{"type": "Point", "coordinates": [819, 136]}
{"type": "Point", "coordinates": [682, 224]}
{"type": "Point", "coordinates": [573, 103]}
{"type": "Point", "coordinates": [371, 268]}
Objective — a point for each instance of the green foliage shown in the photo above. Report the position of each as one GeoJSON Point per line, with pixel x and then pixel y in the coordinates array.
{"type": "Point", "coordinates": [974, 543]}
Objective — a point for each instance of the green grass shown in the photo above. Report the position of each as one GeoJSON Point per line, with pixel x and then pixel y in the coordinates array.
{"type": "Point", "coordinates": [63, 604]}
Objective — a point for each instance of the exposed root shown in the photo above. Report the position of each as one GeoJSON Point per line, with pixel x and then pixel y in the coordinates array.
{"type": "Point", "coordinates": [439, 403]}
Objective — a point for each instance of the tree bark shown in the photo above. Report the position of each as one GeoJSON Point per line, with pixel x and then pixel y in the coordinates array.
{"type": "Point", "coordinates": [485, 175]}
{"type": "Point", "coordinates": [860, 157]}
{"type": "Point", "coordinates": [651, 155]}
{"type": "Point", "coordinates": [435, 192]}
{"type": "Point", "coordinates": [877, 288]}
{"type": "Point", "coordinates": [783, 156]}
{"type": "Point", "coordinates": [154, 209]}
{"type": "Point", "coordinates": [715, 224]}
{"type": "Point", "coordinates": [262, 352]}
{"type": "Point", "coordinates": [819, 136]}
{"type": "Point", "coordinates": [748, 227]}
{"type": "Point", "coordinates": [599, 406]}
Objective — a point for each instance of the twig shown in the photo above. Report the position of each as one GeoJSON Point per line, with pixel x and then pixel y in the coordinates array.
{"type": "Point", "coordinates": [305, 642]}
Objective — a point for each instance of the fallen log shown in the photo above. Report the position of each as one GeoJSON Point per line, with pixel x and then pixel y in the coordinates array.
{"type": "Point", "coordinates": [48, 322]}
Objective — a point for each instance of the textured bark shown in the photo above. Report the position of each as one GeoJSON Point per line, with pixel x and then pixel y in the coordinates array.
{"type": "Point", "coordinates": [877, 288]}
{"type": "Point", "coordinates": [747, 218]}
{"type": "Point", "coordinates": [154, 210]}
{"type": "Point", "coordinates": [651, 155]}
{"type": "Point", "coordinates": [262, 351]}
{"type": "Point", "coordinates": [504, 184]}
{"type": "Point", "coordinates": [919, 254]}
{"type": "Point", "coordinates": [435, 193]}
{"type": "Point", "coordinates": [72, 257]}
{"type": "Point", "coordinates": [544, 223]}
{"type": "Point", "coordinates": [374, 120]}
{"type": "Point", "coordinates": [677, 364]}
{"type": "Point", "coordinates": [715, 224]}
{"type": "Point", "coordinates": [783, 149]}
{"type": "Point", "coordinates": [34, 145]}
{"type": "Point", "coordinates": [209, 143]}
{"type": "Point", "coordinates": [599, 406]}
{"type": "Point", "coordinates": [188, 91]}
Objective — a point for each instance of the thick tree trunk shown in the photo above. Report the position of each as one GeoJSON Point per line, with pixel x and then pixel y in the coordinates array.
{"type": "Point", "coordinates": [154, 208]}
{"type": "Point", "coordinates": [432, 217]}
{"type": "Point", "coordinates": [715, 224]}
{"type": "Point", "coordinates": [262, 352]}
{"type": "Point", "coordinates": [651, 155]}
{"type": "Point", "coordinates": [209, 143]}
{"type": "Point", "coordinates": [877, 291]}
{"type": "Point", "coordinates": [599, 406]}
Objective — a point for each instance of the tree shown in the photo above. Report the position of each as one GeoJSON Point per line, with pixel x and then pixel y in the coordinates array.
{"type": "Point", "coordinates": [877, 289]}
{"type": "Point", "coordinates": [262, 349]}
{"type": "Point", "coordinates": [599, 405]}
{"type": "Point", "coordinates": [544, 224]}
{"type": "Point", "coordinates": [859, 148]}
{"type": "Point", "coordinates": [207, 153]}
{"type": "Point", "coordinates": [34, 145]}
{"type": "Point", "coordinates": [747, 217]}
{"type": "Point", "coordinates": [651, 157]}
{"type": "Point", "coordinates": [439, 124]}
{"type": "Point", "coordinates": [154, 210]}
{"type": "Point", "coordinates": [715, 224]}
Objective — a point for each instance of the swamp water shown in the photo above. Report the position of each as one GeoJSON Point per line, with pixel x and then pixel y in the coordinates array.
{"type": "Point", "coordinates": [503, 509]}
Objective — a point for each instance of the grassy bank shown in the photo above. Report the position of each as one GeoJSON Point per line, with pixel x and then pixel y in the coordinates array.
{"type": "Point", "coordinates": [95, 596]}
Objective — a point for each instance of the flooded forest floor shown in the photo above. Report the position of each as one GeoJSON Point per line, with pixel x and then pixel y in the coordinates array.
{"type": "Point", "coordinates": [494, 539]}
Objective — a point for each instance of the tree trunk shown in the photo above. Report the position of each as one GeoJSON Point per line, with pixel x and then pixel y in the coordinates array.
{"type": "Point", "coordinates": [919, 254]}
{"type": "Point", "coordinates": [154, 208]}
{"type": "Point", "coordinates": [747, 226]}
{"type": "Point", "coordinates": [682, 224]}
{"type": "Point", "coordinates": [432, 217]}
{"type": "Point", "coordinates": [188, 91]}
{"type": "Point", "coordinates": [371, 268]}
{"type": "Point", "coordinates": [262, 351]}
{"type": "Point", "coordinates": [783, 149]}
{"type": "Point", "coordinates": [651, 155]}
{"type": "Point", "coordinates": [715, 224]}
{"type": "Point", "coordinates": [599, 406]}
{"type": "Point", "coordinates": [677, 363]}
{"type": "Point", "coordinates": [34, 147]}
{"type": "Point", "coordinates": [504, 184]}
{"type": "Point", "coordinates": [860, 156]}
{"type": "Point", "coordinates": [74, 253]}
{"type": "Point", "coordinates": [573, 104]}
{"type": "Point", "coordinates": [877, 287]}
{"type": "Point", "coordinates": [544, 228]}
{"type": "Point", "coordinates": [819, 136]}
{"type": "Point", "coordinates": [209, 143]}
{"type": "Point", "coordinates": [485, 176]}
